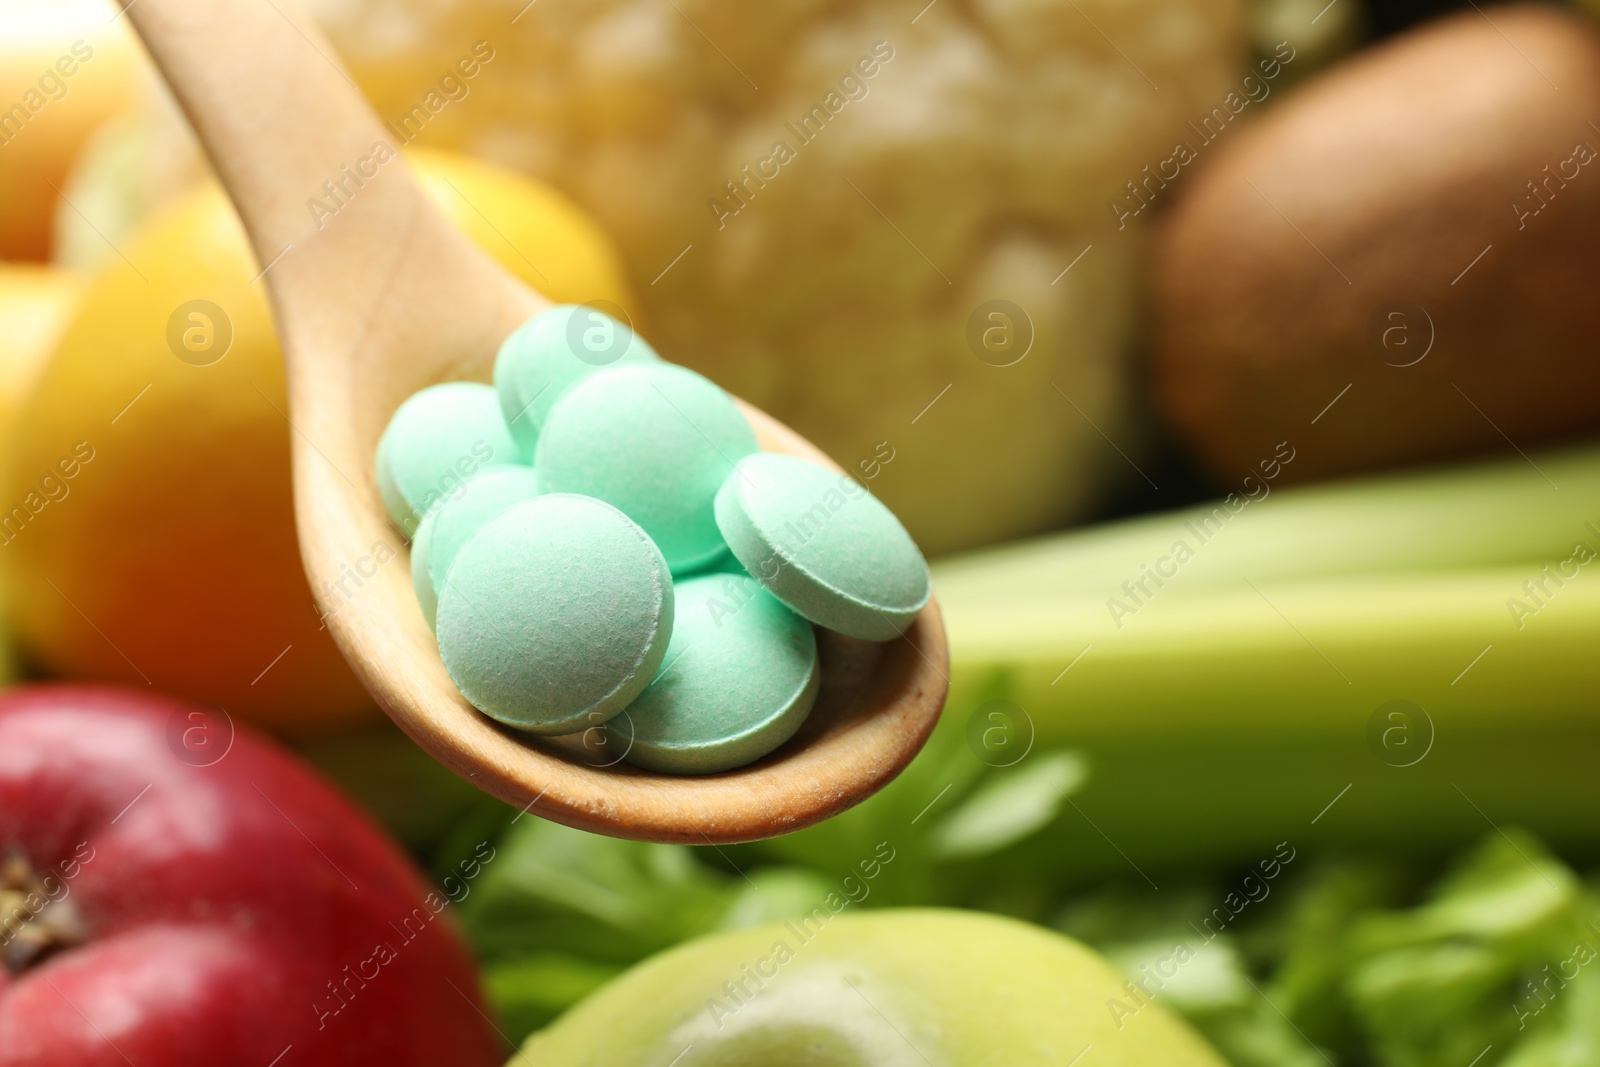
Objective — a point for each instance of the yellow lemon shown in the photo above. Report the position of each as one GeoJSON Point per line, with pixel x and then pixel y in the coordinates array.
{"type": "Point", "coordinates": [35, 304]}
{"type": "Point", "coordinates": [146, 526]}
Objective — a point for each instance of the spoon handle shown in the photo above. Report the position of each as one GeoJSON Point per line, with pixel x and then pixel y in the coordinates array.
{"type": "Point", "coordinates": [338, 222]}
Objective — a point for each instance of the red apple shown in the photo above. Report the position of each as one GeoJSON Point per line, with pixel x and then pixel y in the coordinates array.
{"type": "Point", "coordinates": [173, 894]}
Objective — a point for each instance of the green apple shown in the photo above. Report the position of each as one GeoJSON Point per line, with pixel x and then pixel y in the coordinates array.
{"type": "Point", "coordinates": [893, 988]}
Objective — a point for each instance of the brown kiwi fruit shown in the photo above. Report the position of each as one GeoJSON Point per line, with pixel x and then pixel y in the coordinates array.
{"type": "Point", "coordinates": [1412, 238]}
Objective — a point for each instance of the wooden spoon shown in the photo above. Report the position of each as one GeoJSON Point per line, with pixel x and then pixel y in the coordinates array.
{"type": "Point", "coordinates": [385, 297]}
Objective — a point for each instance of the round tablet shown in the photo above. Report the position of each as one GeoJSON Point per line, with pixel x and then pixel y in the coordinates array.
{"type": "Point", "coordinates": [823, 545]}
{"type": "Point", "coordinates": [421, 580]}
{"type": "Point", "coordinates": [451, 524]}
{"type": "Point", "coordinates": [550, 352]}
{"type": "Point", "coordinates": [656, 441]}
{"type": "Point", "coordinates": [739, 678]}
{"type": "Point", "coordinates": [555, 614]}
{"type": "Point", "coordinates": [437, 440]}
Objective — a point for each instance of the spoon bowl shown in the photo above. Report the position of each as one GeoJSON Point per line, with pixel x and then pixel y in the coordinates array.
{"type": "Point", "coordinates": [381, 296]}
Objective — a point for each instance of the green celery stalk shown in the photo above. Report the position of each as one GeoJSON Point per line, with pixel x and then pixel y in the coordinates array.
{"type": "Point", "coordinates": [1503, 511]}
{"type": "Point", "coordinates": [1304, 658]}
{"type": "Point", "coordinates": [1220, 719]}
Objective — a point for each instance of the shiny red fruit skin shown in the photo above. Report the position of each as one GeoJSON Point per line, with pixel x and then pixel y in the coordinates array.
{"type": "Point", "coordinates": [222, 904]}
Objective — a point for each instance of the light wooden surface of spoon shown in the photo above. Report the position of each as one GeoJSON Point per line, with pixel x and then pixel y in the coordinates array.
{"type": "Point", "coordinates": [385, 297]}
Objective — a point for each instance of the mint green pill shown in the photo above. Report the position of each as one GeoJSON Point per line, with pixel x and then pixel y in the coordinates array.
{"type": "Point", "coordinates": [421, 580]}
{"type": "Point", "coordinates": [823, 545]}
{"type": "Point", "coordinates": [435, 442]}
{"type": "Point", "coordinates": [739, 678]}
{"type": "Point", "coordinates": [451, 524]}
{"type": "Point", "coordinates": [550, 352]}
{"type": "Point", "coordinates": [555, 614]}
{"type": "Point", "coordinates": [656, 441]}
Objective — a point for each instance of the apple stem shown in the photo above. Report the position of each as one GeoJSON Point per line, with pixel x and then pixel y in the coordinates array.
{"type": "Point", "coordinates": [36, 920]}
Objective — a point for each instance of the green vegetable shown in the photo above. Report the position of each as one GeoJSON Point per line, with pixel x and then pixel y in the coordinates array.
{"type": "Point", "coordinates": [1441, 983]}
{"type": "Point", "coordinates": [1424, 640]}
{"type": "Point", "coordinates": [1506, 511]}
{"type": "Point", "coordinates": [1006, 810]}
{"type": "Point", "coordinates": [557, 910]}
{"type": "Point", "coordinates": [1356, 968]}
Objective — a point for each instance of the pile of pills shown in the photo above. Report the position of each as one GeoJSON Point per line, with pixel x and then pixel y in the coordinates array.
{"type": "Point", "coordinates": [598, 532]}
